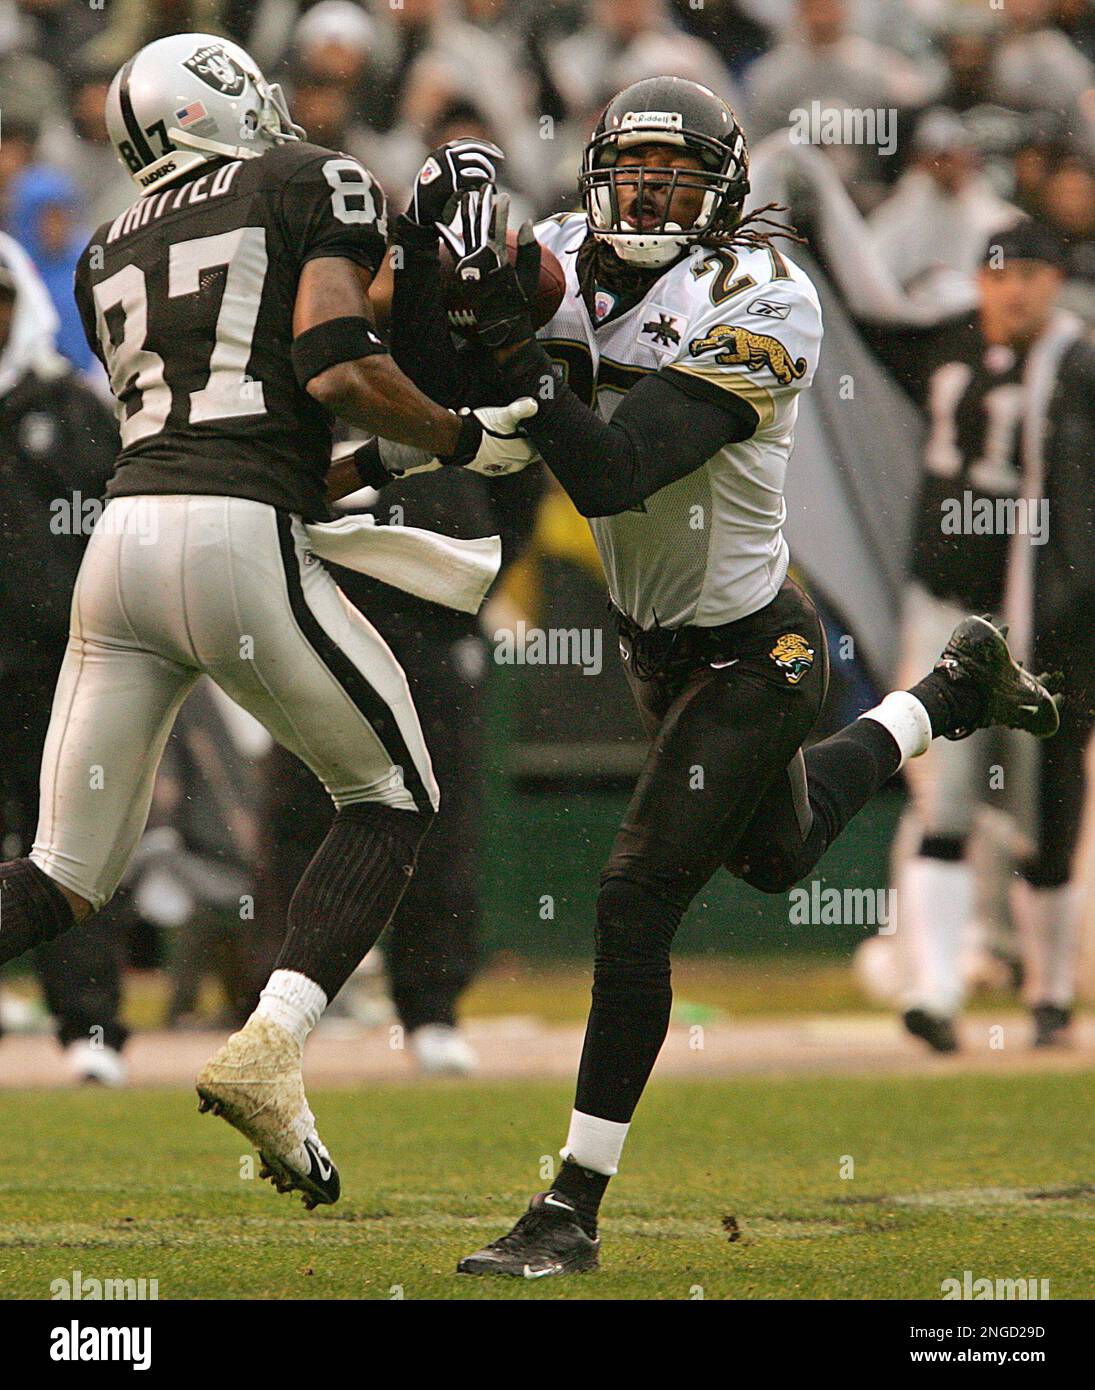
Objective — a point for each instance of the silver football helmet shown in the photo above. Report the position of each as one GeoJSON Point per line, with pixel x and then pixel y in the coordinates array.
{"type": "Point", "coordinates": [190, 98]}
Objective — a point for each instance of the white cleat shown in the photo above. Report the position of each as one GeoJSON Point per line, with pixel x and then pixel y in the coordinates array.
{"type": "Point", "coordinates": [95, 1066]}
{"type": "Point", "coordinates": [255, 1083]}
{"type": "Point", "coordinates": [442, 1050]}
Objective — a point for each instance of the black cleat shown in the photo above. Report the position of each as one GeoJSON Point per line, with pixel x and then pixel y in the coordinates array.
{"type": "Point", "coordinates": [548, 1239]}
{"type": "Point", "coordinates": [939, 1033]}
{"type": "Point", "coordinates": [1051, 1025]}
{"type": "Point", "coordinates": [978, 654]}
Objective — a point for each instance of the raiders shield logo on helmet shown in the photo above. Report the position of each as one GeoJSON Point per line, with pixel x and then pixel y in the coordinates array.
{"type": "Point", "coordinates": [217, 70]}
{"type": "Point", "coordinates": [793, 655]}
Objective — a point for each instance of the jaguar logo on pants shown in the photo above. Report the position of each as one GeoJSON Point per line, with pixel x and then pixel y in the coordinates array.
{"type": "Point", "coordinates": [793, 655]}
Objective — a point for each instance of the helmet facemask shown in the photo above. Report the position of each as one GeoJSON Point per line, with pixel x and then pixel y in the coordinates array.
{"type": "Point", "coordinates": [649, 245]}
{"type": "Point", "coordinates": [606, 173]}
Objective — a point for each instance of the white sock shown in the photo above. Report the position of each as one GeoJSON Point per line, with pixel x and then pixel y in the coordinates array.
{"type": "Point", "coordinates": [934, 900]}
{"type": "Point", "coordinates": [906, 721]}
{"type": "Point", "coordinates": [1047, 923]}
{"type": "Point", "coordinates": [595, 1143]}
{"type": "Point", "coordinates": [292, 1000]}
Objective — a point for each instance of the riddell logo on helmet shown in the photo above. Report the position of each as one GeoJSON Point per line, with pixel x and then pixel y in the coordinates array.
{"type": "Point", "coordinates": [156, 174]}
{"type": "Point", "coordinates": [652, 120]}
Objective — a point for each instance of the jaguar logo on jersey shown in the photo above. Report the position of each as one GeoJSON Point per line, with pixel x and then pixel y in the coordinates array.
{"type": "Point", "coordinates": [741, 347]}
{"type": "Point", "coordinates": [662, 330]}
{"type": "Point", "coordinates": [217, 70]}
{"type": "Point", "coordinates": [793, 655]}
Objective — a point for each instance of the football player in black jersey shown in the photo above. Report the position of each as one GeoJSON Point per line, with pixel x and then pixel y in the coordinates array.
{"type": "Point", "coordinates": [228, 306]}
{"type": "Point", "coordinates": [1004, 524]}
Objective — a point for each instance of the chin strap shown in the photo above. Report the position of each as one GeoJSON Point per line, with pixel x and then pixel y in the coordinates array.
{"type": "Point", "coordinates": [203, 146]}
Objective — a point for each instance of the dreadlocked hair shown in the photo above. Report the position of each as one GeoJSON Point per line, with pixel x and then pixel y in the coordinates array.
{"type": "Point", "coordinates": [748, 232]}
{"type": "Point", "coordinates": [598, 264]}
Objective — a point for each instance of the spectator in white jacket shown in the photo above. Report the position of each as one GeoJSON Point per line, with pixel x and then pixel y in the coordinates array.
{"type": "Point", "coordinates": [931, 231]}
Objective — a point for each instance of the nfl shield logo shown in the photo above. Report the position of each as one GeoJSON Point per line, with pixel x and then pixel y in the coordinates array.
{"type": "Point", "coordinates": [603, 304]}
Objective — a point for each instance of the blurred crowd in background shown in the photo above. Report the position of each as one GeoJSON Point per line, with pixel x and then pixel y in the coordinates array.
{"type": "Point", "coordinates": [995, 102]}
{"type": "Point", "coordinates": [994, 105]}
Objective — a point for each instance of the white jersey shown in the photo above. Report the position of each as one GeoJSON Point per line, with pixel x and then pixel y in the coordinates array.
{"type": "Point", "coordinates": [709, 548]}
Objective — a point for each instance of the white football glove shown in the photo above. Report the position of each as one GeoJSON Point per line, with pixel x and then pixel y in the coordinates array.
{"type": "Point", "coordinates": [502, 448]}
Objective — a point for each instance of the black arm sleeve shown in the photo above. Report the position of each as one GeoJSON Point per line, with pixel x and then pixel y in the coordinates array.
{"type": "Point", "coordinates": [666, 427]}
{"type": "Point", "coordinates": [421, 342]}
{"type": "Point", "coordinates": [514, 505]}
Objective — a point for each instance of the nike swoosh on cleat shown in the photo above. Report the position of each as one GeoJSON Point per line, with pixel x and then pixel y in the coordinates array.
{"type": "Point", "coordinates": [550, 1201]}
{"type": "Point", "coordinates": [324, 1165]}
{"type": "Point", "coordinates": [531, 1273]}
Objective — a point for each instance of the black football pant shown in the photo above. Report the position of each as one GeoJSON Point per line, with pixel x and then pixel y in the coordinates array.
{"type": "Point", "coordinates": [725, 783]}
{"type": "Point", "coordinates": [80, 972]}
{"type": "Point", "coordinates": [1062, 778]}
{"type": "Point", "coordinates": [430, 947]}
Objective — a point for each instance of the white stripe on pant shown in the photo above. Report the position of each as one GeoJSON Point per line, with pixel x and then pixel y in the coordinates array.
{"type": "Point", "coordinates": [173, 587]}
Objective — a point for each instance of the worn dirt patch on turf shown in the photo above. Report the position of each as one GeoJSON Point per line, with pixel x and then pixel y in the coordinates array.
{"type": "Point", "coordinates": [967, 1197]}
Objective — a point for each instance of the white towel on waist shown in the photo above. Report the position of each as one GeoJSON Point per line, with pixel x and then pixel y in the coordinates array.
{"type": "Point", "coordinates": [442, 569]}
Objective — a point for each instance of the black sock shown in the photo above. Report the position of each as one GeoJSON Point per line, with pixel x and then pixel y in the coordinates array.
{"type": "Point", "coordinates": [583, 1189]}
{"type": "Point", "coordinates": [33, 909]}
{"type": "Point", "coordinates": [349, 891]}
{"type": "Point", "coordinates": [846, 769]}
{"type": "Point", "coordinates": [843, 772]}
{"type": "Point", "coordinates": [952, 705]}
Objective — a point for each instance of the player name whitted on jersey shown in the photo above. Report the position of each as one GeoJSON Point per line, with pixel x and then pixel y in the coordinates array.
{"type": "Point", "coordinates": [709, 548]}
{"type": "Point", "coordinates": [154, 205]}
{"type": "Point", "coordinates": [187, 298]}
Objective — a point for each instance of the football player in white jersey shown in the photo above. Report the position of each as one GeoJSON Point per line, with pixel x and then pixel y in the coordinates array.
{"type": "Point", "coordinates": [666, 388]}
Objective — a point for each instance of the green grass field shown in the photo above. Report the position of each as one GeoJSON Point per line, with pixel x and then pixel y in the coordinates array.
{"type": "Point", "coordinates": [989, 1174]}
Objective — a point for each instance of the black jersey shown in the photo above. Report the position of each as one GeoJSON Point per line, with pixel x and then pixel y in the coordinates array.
{"type": "Point", "coordinates": [187, 299]}
{"type": "Point", "coordinates": [972, 392]}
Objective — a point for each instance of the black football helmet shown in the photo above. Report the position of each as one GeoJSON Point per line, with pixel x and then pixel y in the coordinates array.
{"type": "Point", "coordinates": [665, 111]}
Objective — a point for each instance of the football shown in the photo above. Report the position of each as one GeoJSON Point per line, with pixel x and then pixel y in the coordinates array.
{"type": "Point", "coordinates": [549, 291]}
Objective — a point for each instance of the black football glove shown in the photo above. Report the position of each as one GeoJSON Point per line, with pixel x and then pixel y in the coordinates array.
{"type": "Point", "coordinates": [491, 297]}
{"type": "Point", "coordinates": [449, 172]}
